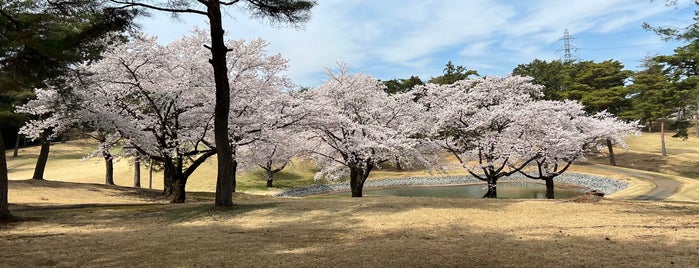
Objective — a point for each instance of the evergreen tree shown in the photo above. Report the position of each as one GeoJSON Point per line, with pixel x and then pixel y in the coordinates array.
{"type": "Point", "coordinates": [41, 40]}
{"type": "Point", "coordinates": [452, 74]}
{"type": "Point", "coordinates": [551, 75]}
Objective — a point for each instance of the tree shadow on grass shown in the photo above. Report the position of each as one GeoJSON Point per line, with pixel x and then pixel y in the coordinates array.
{"type": "Point", "coordinates": [305, 233]}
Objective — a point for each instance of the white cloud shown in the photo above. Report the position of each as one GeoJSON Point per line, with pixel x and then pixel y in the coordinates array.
{"type": "Point", "coordinates": [394, 38]}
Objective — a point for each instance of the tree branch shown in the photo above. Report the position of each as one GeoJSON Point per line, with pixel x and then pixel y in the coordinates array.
{"type": "Point", "coordinates": [128, 4]}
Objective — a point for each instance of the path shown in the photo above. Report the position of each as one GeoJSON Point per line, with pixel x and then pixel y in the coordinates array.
{"type": "Point", "coordinates": [664, 187]}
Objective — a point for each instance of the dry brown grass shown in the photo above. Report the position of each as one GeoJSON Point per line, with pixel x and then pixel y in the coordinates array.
{"type": "Point", "coordinates": [65, 224]}
{"type": "Point", "coordinates": [133, 231]}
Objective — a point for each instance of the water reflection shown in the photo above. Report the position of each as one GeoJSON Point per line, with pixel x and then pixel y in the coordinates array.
{"type": "Point", "coordinates": [513, 190]}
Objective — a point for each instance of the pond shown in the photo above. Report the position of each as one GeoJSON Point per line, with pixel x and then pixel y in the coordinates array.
{"type": "Point", "coordinates": [507, 190]}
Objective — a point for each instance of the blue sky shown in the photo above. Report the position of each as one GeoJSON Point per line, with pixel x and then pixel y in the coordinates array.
{"type": "Point", "coordinates": [399, 38]}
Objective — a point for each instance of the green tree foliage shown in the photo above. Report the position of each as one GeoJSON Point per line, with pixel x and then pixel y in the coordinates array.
{"type": "Point", "coordinates": [650, 94]}
{"type": "Point", "coordinates": [599, 86]}
{"type": "Point", "coordinates": [395, 86]}
{"type": "Point", "coordinates": [551, 75]}
{"type": "Point", "coordinates": [682, 69]}
{"type": "Point", "coordinates": [452, 74]}
{"type": "Point", "coordinates": [42, 39]}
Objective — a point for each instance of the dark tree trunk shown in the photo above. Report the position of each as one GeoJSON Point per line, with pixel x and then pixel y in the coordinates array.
{"type": "Point", "coordinates": [15, 152]}
{"type": "Point", "coordinates": [150, 174]}
{"type": "Point", "coordinates": [612, 159]}
{"type": "Point", "coordinates": [42, 160]}
{"type": "Point", "coordinates": [234, 166]}
{"type": "Point", "coordinates": [4, 204]}
{"type": "Point", "coordinates": [109, 168]}
{"type": "Point", "coordinates": [549, 187]}
{"type": "Point", "coordinates": [137, 171]}
{"type": "Point", "coordinates": [178, 193]}
{"type": "Point", "coordinates": [399, 167]}
{"type": "Point", "coordinates": [358, 176]}
{"type": "Point", "coordinates": [270, 177]}
{"type": "Point", "coordinates": [270, 171]}
{"type": "Point", "coordinates": [167, 182]}
{"type": "Point", "coordinates": [225, 178]}
{"type": "Point", "coordinates": [492, 189]}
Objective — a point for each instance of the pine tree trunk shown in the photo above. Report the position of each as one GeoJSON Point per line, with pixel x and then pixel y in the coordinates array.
{"type": "Point", "coordinates": [612, 159]}
{"type": "Point", "coordinates": [696, 123]}
{"type": "Point", "coordinates": [225, 179]}
{"type": "Point", "coordinates": [4, 181]}
{"type": "Point", "coordinates": [42, 160]}
{"type": "Point", "coordinates": [137, 171]}
{"type": "Point", "coordinates": [549, 187]}
{"type": "Point", "coordinates": [492, 189]}
{"type": "Point", "coordinates": [663, 151]}
{"type": "Point", "coordinates": [15, 152]}
{"type": "Point", "coordinates": [108, 168]}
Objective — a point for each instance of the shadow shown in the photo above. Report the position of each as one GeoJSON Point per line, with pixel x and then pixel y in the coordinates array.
{"type": "Point", "coordinates": [650, 162]}
{"type": "Point", "coordinates": [347, 233]}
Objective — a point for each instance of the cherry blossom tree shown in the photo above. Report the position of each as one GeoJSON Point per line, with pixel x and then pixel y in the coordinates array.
{"type": "Point", "coordinates": [271, 154]}
{"type": "Point", "coordinates": [158, 100]}
{"type": "Point", "coordinates": [269, 106]}
{"type": "Point", "coordinates": [560, 132]}
{"type": "Point", "coordinates": [287, 11]}
{"type": "Point", "coordinates": [52, 109]}
{"type": "Point", "coordinates": [476, 120]}
{"type": "Point", "coordinates": [354, 125]}
{"type": "Point", "coordinates": [495, 127]}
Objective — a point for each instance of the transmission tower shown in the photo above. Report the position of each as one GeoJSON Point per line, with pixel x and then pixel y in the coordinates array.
{"type": "Point", "coordinates": [567, 49]}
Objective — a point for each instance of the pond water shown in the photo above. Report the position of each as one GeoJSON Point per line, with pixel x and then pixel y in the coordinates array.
{"type": "Point", "coordinates": [514, 190]}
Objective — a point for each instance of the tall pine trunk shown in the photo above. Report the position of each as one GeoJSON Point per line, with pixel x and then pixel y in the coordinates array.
{"type": "Point", "coordinates": [549, 187]}
{"type": "Point", "coordinates": [612, 159]}
{"type": "Point", "coordinates": [43, 159]}
{"type": "Point", "coordinates": [4, 204]}
{"type": "Point", "coordinates": [226, 173]}
{"type": "Point", "coordinates": [108, 168]}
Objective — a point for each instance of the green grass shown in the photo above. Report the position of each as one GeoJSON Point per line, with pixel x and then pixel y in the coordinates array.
{"type": "Point", "coordinates": [66, 164]}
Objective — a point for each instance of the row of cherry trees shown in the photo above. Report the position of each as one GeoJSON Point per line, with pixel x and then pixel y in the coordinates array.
{"type": "Point", "coordinates": [159, 100]}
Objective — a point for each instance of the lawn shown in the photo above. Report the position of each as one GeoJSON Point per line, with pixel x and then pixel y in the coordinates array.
{"type": "Point", "coordinates": [118, 227]}
{"type": "Point", "coordinates": [74, 220]}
